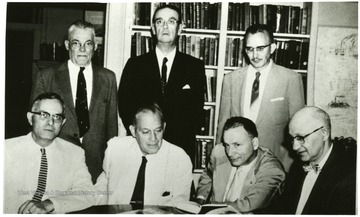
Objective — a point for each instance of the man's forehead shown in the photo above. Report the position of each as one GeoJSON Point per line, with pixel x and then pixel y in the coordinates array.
{"type": "Point", "coordinates": [168, 12]}
{"type": "Point", "coordinates": [49, 104]}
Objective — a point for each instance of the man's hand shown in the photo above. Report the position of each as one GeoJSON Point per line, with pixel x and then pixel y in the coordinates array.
{"type": "Point", "coordinates": [36, 207]}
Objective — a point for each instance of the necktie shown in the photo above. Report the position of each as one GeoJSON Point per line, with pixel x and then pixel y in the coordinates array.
{"type": "Point", "coordinates": [138, 194]}
{"type": "Point", "coordinates": [163, 75]}
{"type": "Point", "coordinates": [42, 177]}
{"type": "Point", "coordinates": [255, 88]}
{"type": "Point", "coordinates": [309, 167]}
{"type": "Point", "coordinates": [81, 106]}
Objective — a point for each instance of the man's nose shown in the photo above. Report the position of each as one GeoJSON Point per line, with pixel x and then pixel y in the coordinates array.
{"type": "Point", "coordinates": [296, 145]}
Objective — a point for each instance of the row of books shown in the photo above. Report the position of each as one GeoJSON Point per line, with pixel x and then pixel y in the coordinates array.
{"type": "Point", "coordinates": [202, 155]}
{"type": "Point", "coordinates": [204, 48]}
{"type": "Point", "coordinates": [281, 18]}
{"type": "Point", "coordinates": [141, 44]}
{"type": "Point", "coordinates": [200, 15]}
{"type": "Point", "coordinates": [291, 53]}
{"type": "Point", "coordinates": [206, 128]}
{"type": "Point", "coordinates": [210, 93]}
{"type": "Point", "coordinates": [142, 14]}
{"type": "Point", "coordinates": [196, 15]}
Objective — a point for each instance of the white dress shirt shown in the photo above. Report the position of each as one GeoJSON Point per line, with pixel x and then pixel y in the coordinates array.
{"type": "Point", "coordinates": [170, 57]}
{"type": "Point", "coordinates": [68, 186]}
{"type": "Point", "coordinates": [252, 111]}
{"type": "Point", "coordinates": [73, 74]}
{"type": "Point", "coordinates": [309, 183]}
{"type": "Point", "coordinates": [236, 182]}
{"type": "Point", "coordinates": [168, 173]}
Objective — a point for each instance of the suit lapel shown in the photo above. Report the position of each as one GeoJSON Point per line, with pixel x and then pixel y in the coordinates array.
{"type": "Point", "coordinates": [270, 86]}
{"type": "Point", "coordinates": [238, 89]}
{"type": "Point", "coordinates": [63, 79]}
{"type": "Point", "coordinates": [96, 87]}
{"type": "Point", "coordinates": [175, 72]}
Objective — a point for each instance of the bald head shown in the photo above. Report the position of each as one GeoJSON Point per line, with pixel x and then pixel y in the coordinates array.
{"type": "Point", "coordinates": [311, 116]}
{"type": "Point", "coordinates": [311, 129]}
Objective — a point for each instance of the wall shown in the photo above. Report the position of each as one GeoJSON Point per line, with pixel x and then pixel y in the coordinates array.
{"type": "Point", "coordinates": [334, 18]}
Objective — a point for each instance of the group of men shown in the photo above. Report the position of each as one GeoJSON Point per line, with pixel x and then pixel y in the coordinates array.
{"type": "Point", "coordinates": [73, 159]}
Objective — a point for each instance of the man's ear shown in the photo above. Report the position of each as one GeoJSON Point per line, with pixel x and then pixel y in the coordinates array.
{"type": "Point", "coordinates": [63, 122]}
{"type": "Point", "coordinates": [153, 29]}
{"type": "Point", "coordinates": [29, 116]}
{"type": "Point", "coordinates": [181, 26]}
{"type": "Point", "coordinates": [325, 134]}
{"type": "Point", "coordinates": [273, 48]}
{"type": "Point", "coordinates": [255, 143]}
{"type": "Point", "coordinates": [132, 130]}
{"type": "Point", "coordinates": [67, 44]}
{"type": "Point", "coordinates": [96, 45]}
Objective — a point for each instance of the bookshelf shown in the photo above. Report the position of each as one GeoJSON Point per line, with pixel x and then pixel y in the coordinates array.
{"type": "Point", "coordinates": [213, 34]}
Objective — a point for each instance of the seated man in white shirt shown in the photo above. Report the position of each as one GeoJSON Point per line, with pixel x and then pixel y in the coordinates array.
{"type": "Point", "coordinates": [44, 173]}
{"type": "Point", "coordinates": [323, 179]}
{"type": "Point", "coordinates": [240, 172]}
{"type": "Point", "coordinates": [144, 168]}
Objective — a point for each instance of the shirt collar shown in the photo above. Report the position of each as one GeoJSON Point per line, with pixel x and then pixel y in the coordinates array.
{"type": "Point", "coordinates": [160, 55]}
{"type": "Point", "coordinates": [324, 159]}
{"type": "Point", "coordinates": [75, 68]}
{"type": "Point", "coordinates": [263, 71]}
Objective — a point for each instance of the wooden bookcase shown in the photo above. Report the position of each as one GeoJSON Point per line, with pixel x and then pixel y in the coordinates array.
{"type": "Point", "coordinates": [130, 32]}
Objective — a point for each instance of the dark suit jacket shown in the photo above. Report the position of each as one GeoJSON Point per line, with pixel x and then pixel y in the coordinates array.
{"type": "Point", "coordinates": [102, 110]}
{"type": "Point", "coordinates": [283, 96]}
{"type": "Point", "coordinates": [334, 190]}
{"type": "Point", "coordinates": [140, 82]}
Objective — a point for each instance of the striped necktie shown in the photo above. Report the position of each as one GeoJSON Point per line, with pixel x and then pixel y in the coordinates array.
{"type": "Point", "coordinates": [255, 88]}
{"type": "Point", "coordinates": [42, 177]}
{"type": "Point", "coordinates": [163, 75]}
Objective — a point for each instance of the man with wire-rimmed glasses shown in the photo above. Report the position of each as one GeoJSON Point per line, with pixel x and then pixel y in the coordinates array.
{"type": "Point", "coordinates": [264, 92]}
{"type": "Point", "coordinates": [323, 179]}
{"type": "Point", "coordinates": [44, 173]}
{"type": "Point", "coordinates": [89, 93]}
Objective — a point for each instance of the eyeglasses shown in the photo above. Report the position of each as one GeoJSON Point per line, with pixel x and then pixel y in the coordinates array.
{"type": "Point", "coordinates": [57, 118]}
{"type": "Point", "coordinates": [301, 139]}
{"type": "Point", "coordinates": [76, 45]}
{"type": "Point", "coordinates": [258, 49]}
{"type": "Point", "coordinates": [161, 22]}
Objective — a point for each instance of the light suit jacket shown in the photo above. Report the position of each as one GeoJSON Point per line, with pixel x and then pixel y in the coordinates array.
{"type": "Point", "coordinates": [168, 174]}
{"type": "Point", "coordinates": [262, 183]}
{"type": "Point", "coordinates": [68, 185]}
{"type": "Point", "coordinates": [102, 110]}
{"type": "Point", "coordinates": [283, 96]}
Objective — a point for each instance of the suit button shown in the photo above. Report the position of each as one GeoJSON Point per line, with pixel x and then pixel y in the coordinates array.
{"type": "Point", "coordinates": [75, 134]}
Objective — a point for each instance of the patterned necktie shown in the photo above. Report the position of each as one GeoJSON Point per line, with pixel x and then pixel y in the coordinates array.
{"type": "Point", "coordinates": [309, 167]}
{"type": "Point", "coordinates": [81, 105]}
{"type": "Point", "coordinates": [163, 75]}
{"type": "Point", "coordinates": [138, 194]}
{"type": "Point", "coordinates": [42, 177]}
{"type": "Point", "coordinates": [255, 88]}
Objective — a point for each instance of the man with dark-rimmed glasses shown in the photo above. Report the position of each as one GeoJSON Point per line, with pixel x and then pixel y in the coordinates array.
{"type": "Point", "coordinates": [266, 93]}
{"type": "Point", "coordinates": [323, 180]}
{"type": "Point", "coordinates": [44, 173]}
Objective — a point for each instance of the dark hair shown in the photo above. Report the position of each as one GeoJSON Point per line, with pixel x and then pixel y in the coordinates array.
{"type": "Point", "coordinates": [49, 95]}
{"type": "Point", "coordinates": [259, 28]}
{"type": "Point", "coordinates": [146, 107]}
{"type": "Point", "coordinates": [170, 6]}
{"type": "Point", "coordinates": [248, 125]}
{"type": "Point", "coordinates": [81, 24]}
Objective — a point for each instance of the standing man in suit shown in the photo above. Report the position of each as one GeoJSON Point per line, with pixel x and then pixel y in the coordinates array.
{"type": "Point", "coordinates": [89, 93]}
{"type": "Point", "coordinates": [44, 173]}
{"type": "Point", "coordinates": [323, 180]}
{"type": "Point", "coordinates": [174, 80]}
{"type": "Point", "coordinates": [264, 92]}
{"type": "Point", "coordinates": [240, 172]}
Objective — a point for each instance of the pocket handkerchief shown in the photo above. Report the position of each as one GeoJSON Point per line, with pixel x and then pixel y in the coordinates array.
{"type": "Point", "coordinates": [186, 87]}
{"type": "Point", "coordinates": [277, 99]}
